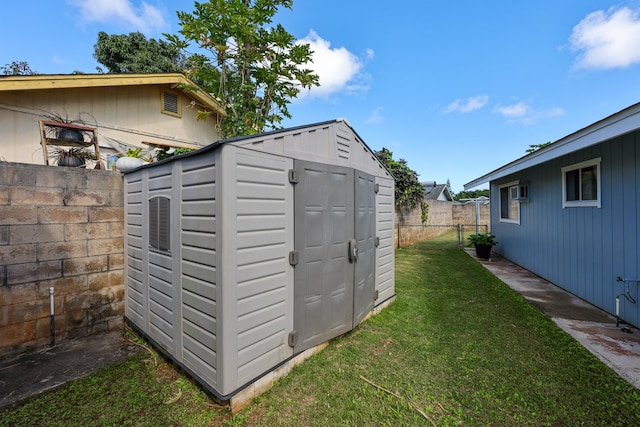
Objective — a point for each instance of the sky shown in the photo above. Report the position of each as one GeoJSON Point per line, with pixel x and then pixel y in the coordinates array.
{"type": "Point", "coordinates": [457, 89]}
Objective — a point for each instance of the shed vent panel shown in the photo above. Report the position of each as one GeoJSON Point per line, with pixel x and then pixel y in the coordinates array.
{"type": "Point", "coordinates": [343, 142]}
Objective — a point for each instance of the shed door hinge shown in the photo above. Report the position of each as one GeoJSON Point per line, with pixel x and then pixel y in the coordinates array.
{"type": "Point", "coordinates": [294, 176]}
{"type": "Point", "coordinates": [377, 242]}
{"type": "Point", "coordinates": [376, 187]}
{"type": "Point", "coordinates": [376, 294]}
{"type": "Point", "coordinates": [294, 257]}
{"type": "Point", "coordinates": [293, 338]}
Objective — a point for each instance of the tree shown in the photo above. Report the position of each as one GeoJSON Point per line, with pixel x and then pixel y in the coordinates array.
{"type": "Point", "coordinates": [536, 147]}
{"type": "Point", "coordinates": [472, 194]}
{"type": "Point", "coordinates": [255, 68]}
{"type": "Point", "coordinates": [409, 191]}
{"type": "Point", "coordinates": [133, 53]}
{"type": "Point", "coordinates": [17, 68]}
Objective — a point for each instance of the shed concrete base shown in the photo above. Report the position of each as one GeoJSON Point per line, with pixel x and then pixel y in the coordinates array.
{"type": "Point", "coordinates": [244, 397]}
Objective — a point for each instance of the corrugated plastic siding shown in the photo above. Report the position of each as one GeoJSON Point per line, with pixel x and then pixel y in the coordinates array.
{"type": "Point", "coordinates": [136, 291]}
{"type": "Point", "coordinates": [581, 249]}
{"type": "Point", "coordinates": [198, 266]}
{"type": "Point", "coordinates": [162, 316]}
{"type": "Point", "coordinates": [264, 276]}
{"type": "Point", "coordinates": [385, 209]}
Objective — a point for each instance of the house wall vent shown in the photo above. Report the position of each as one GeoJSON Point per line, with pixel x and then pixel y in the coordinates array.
{"type": "Point", "coordinates": [171, 103]}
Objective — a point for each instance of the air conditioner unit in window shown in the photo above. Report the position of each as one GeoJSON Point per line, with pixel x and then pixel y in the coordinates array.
{"type": "Point", "coordinates": [523, 192]}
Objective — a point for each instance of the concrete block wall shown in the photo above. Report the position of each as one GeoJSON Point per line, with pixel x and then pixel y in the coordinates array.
{"type": "Point", "coordinates": [60, 228]}
{"type": "Point", "coordinates": [466, 214]}
{"type": "Point", "coordinates": [443, 216]}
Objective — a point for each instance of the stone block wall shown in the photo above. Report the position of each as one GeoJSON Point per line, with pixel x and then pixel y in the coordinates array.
{"type": "Point", "coordinates": [442, 217]}
{"type": "Point", "coordinates": [60, 228]}
{"type": "Point", "coordinates": [466, 214]}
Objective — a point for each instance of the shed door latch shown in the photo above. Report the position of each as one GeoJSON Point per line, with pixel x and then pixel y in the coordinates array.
{"type": "Point", "coordinates": [294, 257]}
{"type": "Point", "coordinates": [294, 176]}
{"type": "Point", "coordinates": [293, 338]}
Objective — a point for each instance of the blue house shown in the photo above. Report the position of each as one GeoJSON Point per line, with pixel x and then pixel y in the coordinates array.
{"type": "Point", "coordinates": [570, 212]}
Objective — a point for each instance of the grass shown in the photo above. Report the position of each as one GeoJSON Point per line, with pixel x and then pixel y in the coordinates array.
{"type": "Point", "coordinates": [457, 347]}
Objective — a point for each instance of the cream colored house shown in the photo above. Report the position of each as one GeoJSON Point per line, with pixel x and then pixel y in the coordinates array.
{"type": "Point", "coordinates": [126, 110]}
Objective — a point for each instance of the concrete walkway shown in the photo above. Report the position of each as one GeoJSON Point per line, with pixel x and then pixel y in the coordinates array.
{"type": "Point", "coordinates": [41, 371]}
{"type": "Point", "coordinates": [593, 328]}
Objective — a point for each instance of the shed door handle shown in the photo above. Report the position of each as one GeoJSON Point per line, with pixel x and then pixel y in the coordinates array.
{"type": "Point", "coordinates": [353, 250]}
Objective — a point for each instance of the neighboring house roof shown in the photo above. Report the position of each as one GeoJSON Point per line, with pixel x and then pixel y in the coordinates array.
{"type": "Point", "coordinates": [65, 81]}
{"type": "Point", "coordinates": [434, 191]}
{"type": "Point", "coordinates": [617, 124]}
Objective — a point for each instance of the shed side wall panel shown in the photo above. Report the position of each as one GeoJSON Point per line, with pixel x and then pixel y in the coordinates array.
{"type": "Point", "coordinates": [162, 289]}
{"type": "Point", "coordinates": [198, 266]}
{"type": "Point", "coordinates": [136, 292]}
{"type": "Point", "coordinates": [385, 214]}
{"type": "Point", "coordinates": [264, 199]}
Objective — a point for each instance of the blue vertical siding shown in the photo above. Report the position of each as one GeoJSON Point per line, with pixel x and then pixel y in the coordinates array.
{"type": "Point", "coordinates": [581, 249]}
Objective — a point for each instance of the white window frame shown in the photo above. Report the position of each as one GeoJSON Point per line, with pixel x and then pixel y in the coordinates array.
{"type": "Point", "coordinates": [510, 186]}
{"type": "Point", "coordinates": [582, 203]}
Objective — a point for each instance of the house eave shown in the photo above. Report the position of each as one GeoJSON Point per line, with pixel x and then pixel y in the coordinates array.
{"type": "Point", "coordinates": [620, 123]}
{"type": "Point", "coordinates": [70, 81]}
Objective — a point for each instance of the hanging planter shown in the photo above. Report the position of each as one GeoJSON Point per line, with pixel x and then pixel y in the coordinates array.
{"type": "Point", "coordinates": [70, 134]}
{"type": "Point", "coordinates": [71, 157]}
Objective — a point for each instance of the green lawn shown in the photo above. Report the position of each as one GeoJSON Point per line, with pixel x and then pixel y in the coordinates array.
{"type": "Point", "coordinates": [457, 347]}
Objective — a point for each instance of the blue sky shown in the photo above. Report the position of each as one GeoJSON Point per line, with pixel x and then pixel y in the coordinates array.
{"type": "Point", "coordinates": [456, 89]}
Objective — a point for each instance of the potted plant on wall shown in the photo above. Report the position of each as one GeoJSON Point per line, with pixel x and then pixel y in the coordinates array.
{"type": "Point", "coordinates": [483, 243]}
{"type": "Point", "coordinates": [71, 157]}
{"type": "Point", "coordinates": [131, 160]}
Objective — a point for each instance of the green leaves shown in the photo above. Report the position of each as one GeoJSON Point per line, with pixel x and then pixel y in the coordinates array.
{"type": "Point", "coordinates": [133, 53]}
{"type": "Point", "coordinates": [259, 67]}
{"type": "Point", "coordinates": [409, 191]}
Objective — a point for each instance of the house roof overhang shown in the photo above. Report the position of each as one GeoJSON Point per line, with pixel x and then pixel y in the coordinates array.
{"type": "Point", "coordinates": [617, 124]}
{"type": "Point", "coordinates": [68, 81]}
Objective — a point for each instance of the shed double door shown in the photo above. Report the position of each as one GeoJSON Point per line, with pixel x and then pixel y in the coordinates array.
{"type": "Point", "coordinates": [334, 279]}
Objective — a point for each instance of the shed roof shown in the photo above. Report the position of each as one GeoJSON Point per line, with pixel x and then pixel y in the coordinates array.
{"type": "Point", "coordinates": [620, 123]}
{"type": "Point", "coordinates": [68, 81]}
{"type": "Point", "coordinates": [286, 141]}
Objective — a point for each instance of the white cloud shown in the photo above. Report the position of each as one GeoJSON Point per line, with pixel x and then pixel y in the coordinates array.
{"type": "Point", "coordinates": [467, 105]}
{"type": "Point", "coordinates": [376, 116]}
{"type": "Point", "coordinates": [338, 69]}
{"type": "Point", "coordinates": [525, 113]}
{"type": "Point", "coordinates": [145, 18]}
{"type": "Point", "coordinates": [608, 39]}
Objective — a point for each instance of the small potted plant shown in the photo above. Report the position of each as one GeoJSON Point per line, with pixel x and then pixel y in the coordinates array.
{"type": "Point", "coordinates": [132, 160]}
{"type": "Point", "coordinates": [483, 243]}
{"type": "Point", "coordinates": [72, 156]}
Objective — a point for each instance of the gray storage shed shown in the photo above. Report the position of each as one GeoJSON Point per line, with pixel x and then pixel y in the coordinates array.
{"type": "Point", "coordinates": [251, 250]}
